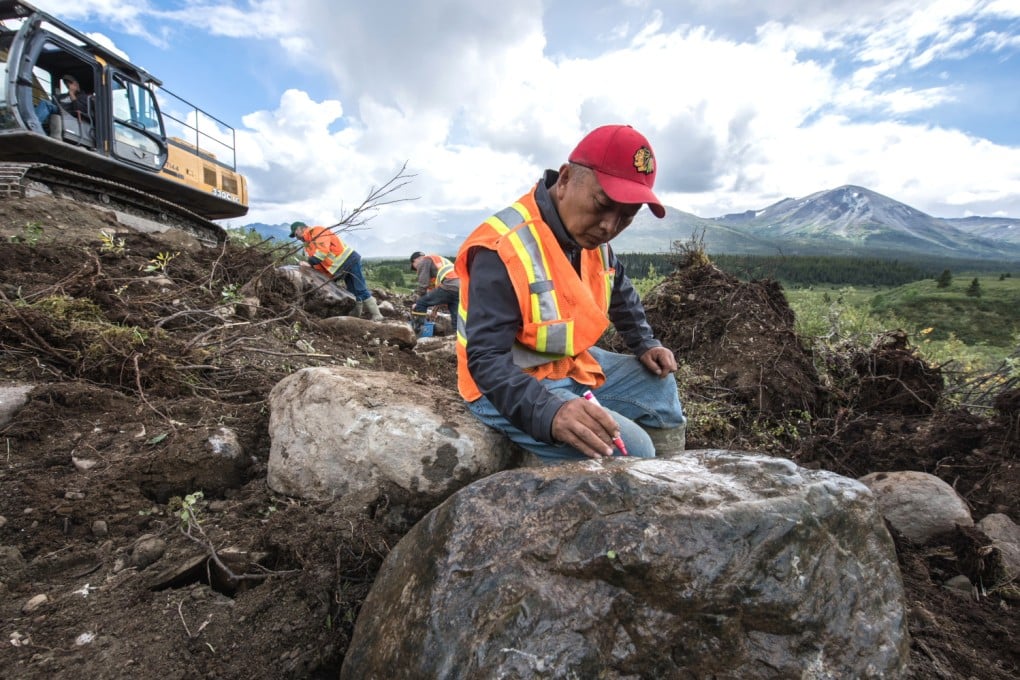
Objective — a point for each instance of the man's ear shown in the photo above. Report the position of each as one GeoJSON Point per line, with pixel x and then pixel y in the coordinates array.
{"type": "Point", "coordinates": [565, 174]}
{"type": "Point", "coordinates": [560, 187]}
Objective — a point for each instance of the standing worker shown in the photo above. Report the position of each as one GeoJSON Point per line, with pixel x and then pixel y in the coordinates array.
{"type": "Point", "coordinates": [539, 287]}
{"type": "Point", "coordinates": [337, 260]}
{"type": "Point", "coordinates": [438, 284]}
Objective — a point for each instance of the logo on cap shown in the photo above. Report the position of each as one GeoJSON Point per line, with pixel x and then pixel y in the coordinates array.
{"type": "Point", "coordinates": [644, 161]}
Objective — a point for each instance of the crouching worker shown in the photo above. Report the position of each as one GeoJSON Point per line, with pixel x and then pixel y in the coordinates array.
{"type": "Point", "coordinates": [539, 286]}
{"type": "Point", "coordinates": [337, 260]}
{"type": "Point", "coordinates": [438, 284]}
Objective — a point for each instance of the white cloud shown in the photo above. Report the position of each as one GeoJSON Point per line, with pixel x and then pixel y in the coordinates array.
{"type": "Point", "coordinates": [918, 165]}
{"type": "Point", "coordinates": [745, 103]}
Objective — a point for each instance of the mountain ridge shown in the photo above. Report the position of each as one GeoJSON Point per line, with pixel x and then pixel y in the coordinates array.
{"type": "Point", "coordinates": [847, 220]}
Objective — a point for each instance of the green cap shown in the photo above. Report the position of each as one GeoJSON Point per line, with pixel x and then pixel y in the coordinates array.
{"type": "Point", "coordinates": [295, 226]}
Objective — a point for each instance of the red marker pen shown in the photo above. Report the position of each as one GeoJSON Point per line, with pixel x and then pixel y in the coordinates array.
{"type": "Point", "coordinates": [618, 440]}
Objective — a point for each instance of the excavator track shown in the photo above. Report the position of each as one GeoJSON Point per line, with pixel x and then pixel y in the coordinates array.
{"type": "Point", "coordinates": [138, 209]}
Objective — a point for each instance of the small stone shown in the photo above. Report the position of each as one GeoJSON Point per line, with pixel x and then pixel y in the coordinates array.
{"type": "Point", "coordinates": [34, 603]}
{"type": "Point", "coordinates": [74, 495]}
{"type": "Point", "coordinates": [28, 511]}
{"type": "Point", "coordinates": [82, 464]}
{"type": "Point", "coordinates": [147, 549]}
{"type": "Point", "coordinates": [3, 521]}
{"type": "Point", "coordinates": [960, 584]}
{"type": "Point", "coordinates": [99, 528]}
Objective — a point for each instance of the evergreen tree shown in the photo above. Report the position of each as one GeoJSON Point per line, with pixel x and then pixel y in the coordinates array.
{"type": "Point", "coordinates": [975, 289]}
{"type": "Point", "coordinates": [944, 279]}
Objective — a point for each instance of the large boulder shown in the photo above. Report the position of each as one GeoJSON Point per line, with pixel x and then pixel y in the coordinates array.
{"type": "Point", "coordinates": [706, 564]}
{"type": "Point", "coordinates": [340, 432]}
{"type": "Point", "coordinates": [368, 332]}
{"type": "Point", "coordinates": [318, 294]}
{"type": "Point", "coordinates": [917, 504]}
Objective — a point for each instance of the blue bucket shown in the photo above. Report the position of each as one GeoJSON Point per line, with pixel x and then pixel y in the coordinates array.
{"type": "Point", "coordinates": [428, 329]}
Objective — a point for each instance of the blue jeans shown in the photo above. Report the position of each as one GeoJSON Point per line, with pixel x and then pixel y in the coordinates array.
{"type": "Point", "coordinates": [354, 278]}
{"type": "Point", "coordinates": [438, 296]}
{"type": "Point", "coordinates": [44, 109]}
{"type": "Point", "coordinates": [635, 397]}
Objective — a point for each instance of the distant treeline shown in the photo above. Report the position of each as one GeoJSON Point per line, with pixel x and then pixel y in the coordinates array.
{"type": "Point", "coordinates": [809, 270]}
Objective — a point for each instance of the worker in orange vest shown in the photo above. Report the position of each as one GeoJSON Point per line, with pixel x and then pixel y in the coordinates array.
{"type": "Point", "coordinates": [438, 284]}
{"type": "Point", "coordinates": [539, 285]}
{"type": "Point", "coordinates": [329, 254]}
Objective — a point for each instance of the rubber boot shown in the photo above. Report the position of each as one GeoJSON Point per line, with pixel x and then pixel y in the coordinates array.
{"type": "Point", "coordinates": [357, 310]}
{"type": "Point", "coordinates": [668, 440]}
{"type": "Point", "coordinates": [417, 321]}
{"type": "Point", "coordinates": [56, 124]}
{"type": "Point", "coordinates": [372, 307]}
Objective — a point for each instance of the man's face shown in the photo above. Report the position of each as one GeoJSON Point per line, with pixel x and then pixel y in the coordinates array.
{"type": "Point", "coordinates": [72, 87]}
{"type": "Point", "coordinates": [588, 214]}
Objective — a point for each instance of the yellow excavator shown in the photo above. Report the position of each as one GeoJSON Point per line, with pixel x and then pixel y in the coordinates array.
{"type": "Point", "coordinates": [127, 143]}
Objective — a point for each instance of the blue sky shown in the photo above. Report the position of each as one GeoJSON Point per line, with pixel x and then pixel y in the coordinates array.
{"type": "Point", "coordinates": [745, 103]}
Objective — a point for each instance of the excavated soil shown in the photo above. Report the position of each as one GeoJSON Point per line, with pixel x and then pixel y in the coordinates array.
{"type": "Point", "coordinates": [136, 371]}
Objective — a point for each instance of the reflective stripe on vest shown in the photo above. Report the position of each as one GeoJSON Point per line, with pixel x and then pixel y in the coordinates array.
{"type": "Point", "coordinates": [330, 261]}
{"type": "Point", "coordinates": [444, 270]}
{"type": "Point", "coordinates": [555, 340]}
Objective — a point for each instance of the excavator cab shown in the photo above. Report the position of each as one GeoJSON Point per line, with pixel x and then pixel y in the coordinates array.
{"type": "Point", "coordinates": [117, 132]}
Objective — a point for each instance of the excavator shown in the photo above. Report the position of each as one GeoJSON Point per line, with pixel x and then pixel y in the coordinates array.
{"type": "Point", "coordinates": [132, 146]}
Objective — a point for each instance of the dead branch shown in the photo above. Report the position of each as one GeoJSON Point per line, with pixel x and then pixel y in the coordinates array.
{"type": "Point", "coordinates": [141, 393]}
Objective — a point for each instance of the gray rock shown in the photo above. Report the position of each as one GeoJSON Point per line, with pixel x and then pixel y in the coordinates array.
{"type": "Point", "coordinates": [707, 564]}
{"type": "Point", "coordinates": [224, 443]}
{"type": "Point", "coordinates": [34, 603]}
{"type": "Point", "coordinates": [365, 331]}
{"type": "Point", "coordinates": [12, 564]}
{"type": "Point", "coordinates": [1005, 535]}
{"type": "Point", "coordinates": [918, 505]}
{"type": "Point", "coordinates": [316, 292]}
{"type": "Point", "coordinates": [13, 396]}
{"type": "Point", "coordinates": [147, 550]}
{"type": "Point", "coordinates": [999, 527]}
{"type": "Point", "coordinates": [339, 432]}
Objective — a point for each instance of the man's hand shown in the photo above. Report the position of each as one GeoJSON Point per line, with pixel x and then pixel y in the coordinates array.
{"type": "Point", "coordinates": [304, 263]}
{"type": "Point", "coordinates": [659, 360]}
{"type": "Point", "coordinates": [587, 427]}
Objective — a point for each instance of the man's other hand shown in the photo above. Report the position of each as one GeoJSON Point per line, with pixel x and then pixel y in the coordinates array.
{"type": "Point", "coordinates": [659, 360]}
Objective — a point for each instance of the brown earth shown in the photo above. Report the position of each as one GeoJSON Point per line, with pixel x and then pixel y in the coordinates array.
{"type": "Point", "coordinates": [137, 369]}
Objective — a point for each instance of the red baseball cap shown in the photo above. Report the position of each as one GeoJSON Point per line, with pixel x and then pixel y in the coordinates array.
{"type": "Point", "coordinates": [623, 163]}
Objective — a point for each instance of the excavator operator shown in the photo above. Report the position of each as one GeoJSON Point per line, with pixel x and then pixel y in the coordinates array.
{"type": "Point", "coordinates": [74, 101]}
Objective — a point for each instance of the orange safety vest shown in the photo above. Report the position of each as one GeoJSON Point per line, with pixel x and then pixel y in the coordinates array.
{"type": "Point", "coordinates": [328, 248]}
{"type": "Point", "coordinates": [563, 314]}
{"type": "Point", "coordinates": [444, 271]}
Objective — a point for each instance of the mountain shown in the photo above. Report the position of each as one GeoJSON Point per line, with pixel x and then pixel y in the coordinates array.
{"type": "Point", "coordinates": [848, 220]}
{"type": "Point", "coordinates": [649, 234]}
{"type": "Point", "coordinates": [995, 228]}
{"type": "Point", "coordinates": [852, 218]}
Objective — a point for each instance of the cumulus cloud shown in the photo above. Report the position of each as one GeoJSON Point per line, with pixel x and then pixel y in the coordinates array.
{"type": "Point", "coordinates": [745, 103]}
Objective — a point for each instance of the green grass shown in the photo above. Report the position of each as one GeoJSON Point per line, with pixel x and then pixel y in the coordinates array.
{"type": "Point", "coordinates": [993, 318]}
{"type": "Point", "coordinates": [972, 334]}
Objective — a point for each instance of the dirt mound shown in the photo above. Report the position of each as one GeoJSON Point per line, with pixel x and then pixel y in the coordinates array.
{"type": "Point", "coordinates": [143, 346]}
{"type": "Point", "coordinates": [743, 331]}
